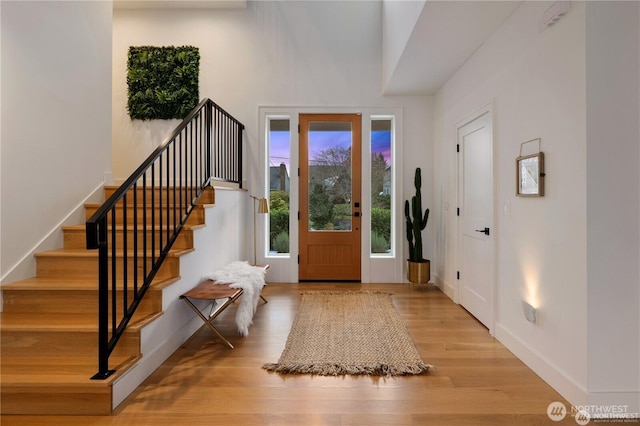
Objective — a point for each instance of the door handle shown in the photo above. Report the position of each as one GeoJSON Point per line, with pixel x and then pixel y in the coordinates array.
{"type": "Point", "coordinates": [484, 231]}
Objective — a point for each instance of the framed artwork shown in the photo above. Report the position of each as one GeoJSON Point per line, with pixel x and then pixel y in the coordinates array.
{"type": "Point", "coordinates": [530, 175]}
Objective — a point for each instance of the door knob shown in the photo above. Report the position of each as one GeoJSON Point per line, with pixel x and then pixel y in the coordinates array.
{"type": "Point", "coordinates": [484, 231]}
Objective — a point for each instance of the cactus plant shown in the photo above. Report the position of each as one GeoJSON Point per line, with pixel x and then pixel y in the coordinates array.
{"type": "Point", "coordinates": [418, 223]}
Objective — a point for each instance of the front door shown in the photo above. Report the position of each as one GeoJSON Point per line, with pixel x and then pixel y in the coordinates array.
{"type": "Point", "coordinates": [330, 203]}
{"type": "Point", "coordinates": [476, 285]}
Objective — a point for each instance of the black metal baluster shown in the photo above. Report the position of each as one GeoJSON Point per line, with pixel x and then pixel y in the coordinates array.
{"type": "Point", "coordinates": [153, 216]}
{"type": "Point", "coordinates": [180, 175]}
{"type": "Point", "coordinates": [145, 230]}
{"type": "Point", "coordinates": [125, 256]}
{"type": "Point", "coordinates": [114, 270]}
{"type": "Point", "coordinates": [218, 153]}
{"type": "Point", "coordinates": [135, 240]}
{"type": "Point", "coordinates": [225, 139]}
{"type": "Point", "coordinates": [208, 140]}
{"type": "Point", "coordinates": [239, 157]}
{"type": "Point", "coordinates": [161, 208]}
{"type": "Point", "coordinates": [199, 152]}
{"type": "Point", "coordinates": [191, 176]}
{"type": "Point", "coordinates": [168, 184]}
{"type": "Point", "coordinates": [175, 195]}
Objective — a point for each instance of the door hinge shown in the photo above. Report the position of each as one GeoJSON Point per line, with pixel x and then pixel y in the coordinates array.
{"type": "Point", "coordinates": [458, 211]}
{"type": "Point", "coordinates": [298, 214]}
{"type": "Point", "coordinates": [457, 147]}
{"type": "Point", "coordinates": [457, 275]}
{"type": "Point", "coordinates": [298, 259]}
{"type": "Point", "coordinates": [298, 128]}
{"type": "Point", "coordinates": [298, 171]}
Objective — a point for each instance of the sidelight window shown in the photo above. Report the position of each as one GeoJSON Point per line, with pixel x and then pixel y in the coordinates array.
{"type": "Point", "coordinates": [381, 185]}
{"type": "Point", "coordinates": [279, 147]}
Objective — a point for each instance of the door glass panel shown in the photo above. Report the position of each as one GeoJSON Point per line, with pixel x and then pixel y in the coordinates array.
{"type": "Point", "coordinates": [330, 174]}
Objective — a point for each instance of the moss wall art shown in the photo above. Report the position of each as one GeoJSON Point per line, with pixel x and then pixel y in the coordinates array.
{"type": "Point", "coordinates": [162, 81]}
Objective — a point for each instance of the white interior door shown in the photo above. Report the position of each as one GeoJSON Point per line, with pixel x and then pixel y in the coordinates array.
{"type": "Point", "coordinates": [476, 284]}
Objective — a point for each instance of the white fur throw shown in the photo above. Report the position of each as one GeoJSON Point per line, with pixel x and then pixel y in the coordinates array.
{"type": "Point", "coordinates": [251, 280]}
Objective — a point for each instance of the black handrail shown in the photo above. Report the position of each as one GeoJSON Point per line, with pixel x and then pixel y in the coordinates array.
{"type": "Point", "coordinates": [205, 147]}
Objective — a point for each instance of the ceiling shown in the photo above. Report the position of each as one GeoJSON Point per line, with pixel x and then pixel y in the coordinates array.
{"type": "Point", "coordinates": [445, 36]}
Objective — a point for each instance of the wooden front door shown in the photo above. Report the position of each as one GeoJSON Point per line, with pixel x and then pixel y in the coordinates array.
{"type": "Point", "coordinates": [330, 204]}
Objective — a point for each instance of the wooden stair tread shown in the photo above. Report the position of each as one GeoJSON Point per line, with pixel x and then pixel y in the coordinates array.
{"type": "Point", "coordinates": [48, 371]}
{"type": "Point", "coordinates": [62, 283]}
{"type": "Point", "coordinates": [120, 227]}
{"type": "Point", "coordinates": [25, 361]}
{"type": "Point", "coordinates": [40, 369]}
{"type": "Point", "coordinates": [83, 253]}
{"type": "Point", "coordinates": [61, 322]}
{"type": "Point", "coordinates": [93, 254]}
{"type": "Point", "coordinates": [140, 206]}
{"type": "Point", "coordinates": [52, 378]}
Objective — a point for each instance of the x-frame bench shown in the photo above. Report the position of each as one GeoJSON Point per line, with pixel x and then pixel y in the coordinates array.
{"type": "Point", "coordinates": [220, 297]}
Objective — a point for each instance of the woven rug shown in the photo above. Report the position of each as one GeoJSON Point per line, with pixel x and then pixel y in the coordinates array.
{"type": "Point", "coordinates": [339, 333]}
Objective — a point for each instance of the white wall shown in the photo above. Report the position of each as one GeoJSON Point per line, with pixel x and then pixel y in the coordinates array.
{"type": "Point", "coordinates": [613, 207]}
{"type": "Point", "coordinates": [534, 77]}
{"type": "Point", "coordinates": [272, 54]}
{"type": "Point", "coordinates": [56, 120]}
{"type": "Point", "coordinates": [162, 337]}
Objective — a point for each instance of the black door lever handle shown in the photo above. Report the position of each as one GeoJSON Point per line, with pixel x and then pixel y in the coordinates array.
{"type": "Point", "coordinates": [484, 231]}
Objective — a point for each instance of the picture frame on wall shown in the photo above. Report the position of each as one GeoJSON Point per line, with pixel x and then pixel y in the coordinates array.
{"type": "Point", "coordinates": [530, 175]}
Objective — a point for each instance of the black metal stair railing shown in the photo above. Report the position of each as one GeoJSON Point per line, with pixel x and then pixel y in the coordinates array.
{"type": "Point", "coordinates": [136, 227]}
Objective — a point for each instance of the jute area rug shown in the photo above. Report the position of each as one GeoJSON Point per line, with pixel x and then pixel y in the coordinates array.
{"type": "Point", "coordinates": [339, 333]}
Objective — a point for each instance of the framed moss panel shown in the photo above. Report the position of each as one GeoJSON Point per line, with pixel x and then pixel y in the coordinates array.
{"type": "Point", "coordinates": [162, 81]}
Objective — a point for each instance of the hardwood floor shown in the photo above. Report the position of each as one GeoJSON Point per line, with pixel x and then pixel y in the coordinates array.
{"type": "Point", "coordinates": [477, 380]}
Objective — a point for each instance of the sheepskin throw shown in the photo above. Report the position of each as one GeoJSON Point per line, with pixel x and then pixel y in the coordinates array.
{"type": "Point", "coordinates": [251, 280]}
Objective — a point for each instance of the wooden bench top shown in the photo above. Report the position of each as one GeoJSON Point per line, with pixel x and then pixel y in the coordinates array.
{"type": "Point", "coordinates": [209, 290]}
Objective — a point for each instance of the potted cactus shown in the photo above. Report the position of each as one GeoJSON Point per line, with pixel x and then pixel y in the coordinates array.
{"type": "Point", "coordinates": [419, 269]}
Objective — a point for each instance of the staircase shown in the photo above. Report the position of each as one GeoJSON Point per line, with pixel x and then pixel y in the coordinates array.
{"type": "Point", "coordinates": [49, 330]}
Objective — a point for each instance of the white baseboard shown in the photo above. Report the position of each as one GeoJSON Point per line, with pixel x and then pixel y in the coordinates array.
{"type": "Point", "coordinates": [572, 391]}
{"type": "Point", "coordinates": [446, 287]}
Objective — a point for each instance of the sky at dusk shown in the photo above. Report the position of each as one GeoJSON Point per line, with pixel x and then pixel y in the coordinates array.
{"type": "Point", "coordinates": [279, 144]}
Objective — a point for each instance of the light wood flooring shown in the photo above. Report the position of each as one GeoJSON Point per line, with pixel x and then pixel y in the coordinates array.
{"type": "Point", "coordinates": [477, 380]}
